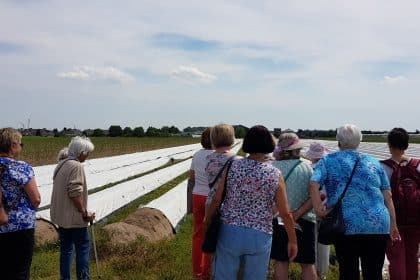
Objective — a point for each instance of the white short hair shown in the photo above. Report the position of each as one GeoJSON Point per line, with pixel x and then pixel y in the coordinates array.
{"type": "Point", "coordinates": [80, 145]}
{"type": "Point", "coordinates": [349, 136]}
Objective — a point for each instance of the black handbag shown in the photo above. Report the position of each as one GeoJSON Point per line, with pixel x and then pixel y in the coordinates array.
{"type": "Point", "coordinates": [332, 226]}
{"type": "Point", "coordinates": [212, 232]}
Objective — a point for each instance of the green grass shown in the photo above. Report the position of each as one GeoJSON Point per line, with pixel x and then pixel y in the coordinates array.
{"type": "Point", "coordinates": [44, 150]}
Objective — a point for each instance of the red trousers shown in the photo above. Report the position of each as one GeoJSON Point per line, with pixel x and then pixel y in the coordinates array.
{"type": "Point", "coordinates": [201, 262]}
{"type": "Point", "coordinates": [402, 256]}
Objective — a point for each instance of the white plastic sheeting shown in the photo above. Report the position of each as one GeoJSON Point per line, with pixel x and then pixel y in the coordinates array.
{"type": "Point", "coordinates": [103, 171]}
{"type": "Point", "coordinates": [377, 150]}
{"type": "Point", "coordinates": [111, 199]}
{"type": "Point", "coordinates": [107, 201]}
{"type": "Point", "coordinates": [172, 204]}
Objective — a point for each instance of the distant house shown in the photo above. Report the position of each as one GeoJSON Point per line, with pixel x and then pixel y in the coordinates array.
{"type": "Point", "coordinates": [71, 132]}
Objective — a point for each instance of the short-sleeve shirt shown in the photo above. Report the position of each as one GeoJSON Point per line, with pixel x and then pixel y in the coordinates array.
{"type": "Point", "coordinates": [15, 177]}
{"type": "Point", "coordinates": [198, 165]}
{"type": "Point", "coordinates": [215, 162]}
{"type": "Point", "coordinates": [364, 209]}
{"type": "Point", "coordinates": [250, 194]}
{"type": "Point", "coordinates": [297, 184]}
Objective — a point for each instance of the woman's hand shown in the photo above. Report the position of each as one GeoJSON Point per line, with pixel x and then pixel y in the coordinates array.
{"type": "Point", "coordinates": [394, 233]}
{"type": "Point", "coordinates": [292, 250]}
{"type": "Point", "coordinates": [321, 211]}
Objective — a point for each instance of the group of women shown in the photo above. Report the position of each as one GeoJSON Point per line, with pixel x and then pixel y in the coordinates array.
{"type": "Point", "coordinates": [19, 197]}
{"type": "Point", "coordinates": [270, 199]}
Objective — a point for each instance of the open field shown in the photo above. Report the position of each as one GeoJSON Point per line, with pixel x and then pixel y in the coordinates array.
{"type": "Point", "coordinates": [141, 260]}
{"type": "Point", "coordinates": [43, 150]}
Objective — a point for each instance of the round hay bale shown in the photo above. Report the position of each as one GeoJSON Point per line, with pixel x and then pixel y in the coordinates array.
{"type": "Point", "coordinates": [153, 222]}
{"type": "Point", "coordinates": [123, 233]}
{"type": "Point", "coordinates": [45, 233]}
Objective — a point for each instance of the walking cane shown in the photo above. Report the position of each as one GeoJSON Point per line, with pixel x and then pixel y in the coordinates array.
{"type": "Point", "coordinates": [94, 250]}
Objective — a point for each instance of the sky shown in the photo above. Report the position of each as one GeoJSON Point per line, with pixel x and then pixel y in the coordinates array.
{"type": "Point", "coordinates": [283, 64]}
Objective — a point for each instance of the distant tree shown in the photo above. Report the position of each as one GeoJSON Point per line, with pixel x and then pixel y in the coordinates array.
{"type": "Point", "coordinates": [127, 131]}
{"type": "Point", "coordinates": [138, 131]}
{"type": "Point", "coordinates": [240, 132]}
{"type": "Point", "coordinates": [97, 132]}
{"type": "Point", "coordinates": [174, 130]}
{"type": "Point", "coordinates": [417, 131]}
{"type": "Point", "coordinates": [153, 131]}
{"type": "Point", "coordinates": [38, 132]}
{"type": "Point", "coordinates": [165, 131]}
{"type": "Point", "coordinates": [56, 133]}
{"type": "Point", "coordinates": [115, 130]}
{"type": "Point", "coordinates": [196, 129]}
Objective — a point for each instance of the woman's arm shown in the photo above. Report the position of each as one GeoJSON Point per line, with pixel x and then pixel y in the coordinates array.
{"type": "Point", "coordinates": [31, 190]}
{"type": "Point", "coordinates": [217, 199]}
{"type": "Point", "coordinates": [316, 200]}
{"type": "Point", "coordinates": [289, 223]}
{"type": "Point", "coordinates": [395, 235]}
{"type": "Point", "coordinates": [302, 210]}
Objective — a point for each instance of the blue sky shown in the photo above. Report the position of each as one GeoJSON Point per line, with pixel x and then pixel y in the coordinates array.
{"type": "Point", "coordinates": [288, 64]}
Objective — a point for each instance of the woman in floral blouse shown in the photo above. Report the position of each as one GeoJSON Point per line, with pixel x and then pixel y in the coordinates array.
{"type": "Point", "coordinates": [20, 197]}
{"type": "Point", "coordinates": [253, 186]}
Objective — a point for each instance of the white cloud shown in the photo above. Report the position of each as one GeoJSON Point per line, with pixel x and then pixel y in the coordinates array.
{"type": "Point", "coordinates": [392, 80]}
{"type": "Point", "coordinates": [96, 73]}
{"type": "Point", "coordinates": [191, 75]}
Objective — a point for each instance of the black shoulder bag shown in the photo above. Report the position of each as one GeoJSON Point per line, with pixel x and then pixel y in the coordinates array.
{"type": "Point", "coordinates": [212, 232]}
{"type": "Point", "coordinates": [332, 226]}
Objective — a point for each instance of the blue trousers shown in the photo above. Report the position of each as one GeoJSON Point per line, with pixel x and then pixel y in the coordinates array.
{"type": "Point", "coordinates": [79, 238]}
{"type": "Point", "coordinates": [241, 243]}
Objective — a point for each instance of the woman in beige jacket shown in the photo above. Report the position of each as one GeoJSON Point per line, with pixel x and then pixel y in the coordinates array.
{"type": "Point", "coordinates": [69, 208]}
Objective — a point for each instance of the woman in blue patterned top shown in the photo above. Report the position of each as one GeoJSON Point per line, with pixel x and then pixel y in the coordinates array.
{"type": "Point", "coordinates": [368, 210]}
{"type": "Point", "coordinates": [20, 197]}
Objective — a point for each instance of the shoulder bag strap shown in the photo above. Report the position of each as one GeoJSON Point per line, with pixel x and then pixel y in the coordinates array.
{"type": "Point", "coordinates": [62, 163]}
{"type": "Point", "coordinates": [220, 172]}
{"type": "Point", "coordinates": [229, 164]}
{"type": "Point", "coordinates": [291, 170]}
{"type": "Point", "coordinates": [351, 177]}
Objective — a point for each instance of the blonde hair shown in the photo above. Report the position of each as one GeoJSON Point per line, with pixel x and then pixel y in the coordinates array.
{"type": "Point", "coordinates": [8, 136]}
{"type": "Point", "coordinates": [222, 135]}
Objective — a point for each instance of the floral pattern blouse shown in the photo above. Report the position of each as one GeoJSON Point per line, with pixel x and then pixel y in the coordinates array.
{"type": "Point", "coordinates": [15, 177]}
{"type": "Point", "coordinates": [250, 194]}
{"type": "Point", "coordinates": [364, 209]}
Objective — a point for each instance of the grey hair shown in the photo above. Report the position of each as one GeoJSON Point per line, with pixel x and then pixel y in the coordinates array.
{"type": "Point", "coordinates": [349, 136]}
{"type": "Point", "coordinates": [63, 154]}
{"type": "Point", "coordinates": [80, 145]}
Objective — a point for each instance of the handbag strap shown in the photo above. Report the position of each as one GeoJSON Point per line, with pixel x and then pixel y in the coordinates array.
{"type": "Point", "coordinates": [351, 177]}
{"type": "Point", "coordinates": [291, 170]}
{"type": "Point", "coordinates": [229, 164]}
{"type": "Point", "coordinates": [220, 172]}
